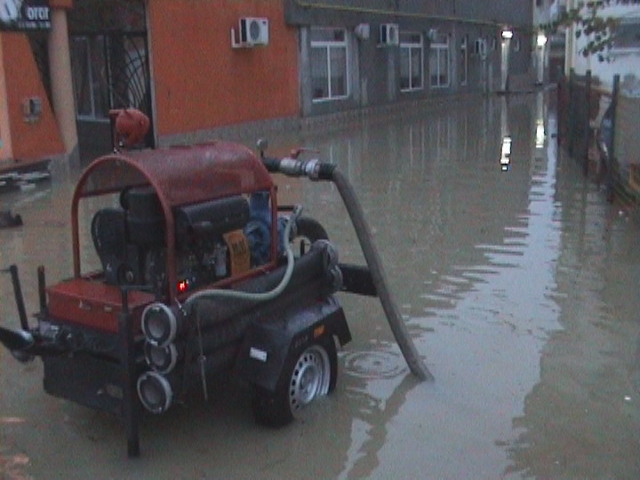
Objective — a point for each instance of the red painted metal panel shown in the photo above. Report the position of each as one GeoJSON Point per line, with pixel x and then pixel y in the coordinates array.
{"type": "Point", "coordinates": [180, 176]}
{"type": "Point", "coordinates": [93, 304]}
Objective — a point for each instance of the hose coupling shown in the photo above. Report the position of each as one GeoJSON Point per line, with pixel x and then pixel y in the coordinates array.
{"type": "Point", "coordinates": [313, 168]}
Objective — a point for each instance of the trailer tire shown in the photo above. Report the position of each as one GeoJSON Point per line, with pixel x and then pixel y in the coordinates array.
{"type": "Point", "coordinates": [310, 371]}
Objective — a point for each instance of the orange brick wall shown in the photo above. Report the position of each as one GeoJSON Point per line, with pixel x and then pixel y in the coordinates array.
{"type": "Point", "coordinates": [29, 141]}
{"type": "Point", "coordinates": [201, 82]}
{"type": "Point", "coordinates": [61, 3]}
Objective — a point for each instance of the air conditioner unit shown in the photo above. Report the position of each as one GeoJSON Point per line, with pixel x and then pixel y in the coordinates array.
{"type": "Point", "coordinates": [362, 31]}
{"type": "Point", "coordinates": [253, 31]}
{"type": "Point", "coordinates": [389, 34]}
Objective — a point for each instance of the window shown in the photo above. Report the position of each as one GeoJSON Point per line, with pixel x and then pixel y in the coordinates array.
{"type": "Point", "coordinates": [626, 36]}
{"type": "Point", "coordinates": [464, 60]}
{"type": "Point", "coordinates": [329, 77]}
{"type": "Point", "coordinates": [411, 55]}
{"type": "Point", "coordinates": [439, 61]}
{"type": "Point", "coordinates": [89, 77]}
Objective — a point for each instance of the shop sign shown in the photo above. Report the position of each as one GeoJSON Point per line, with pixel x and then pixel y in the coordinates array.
{"type": "Point", "coordinates": [25, 15]}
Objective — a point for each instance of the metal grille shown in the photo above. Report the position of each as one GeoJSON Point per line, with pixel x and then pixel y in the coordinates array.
{"type": "Point", "coordinates": [110, 58]}
{"type": "Point", "coordinates": [127, 71]}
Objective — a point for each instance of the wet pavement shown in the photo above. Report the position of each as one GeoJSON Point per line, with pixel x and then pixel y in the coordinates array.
{"type": "Point", "coordinates": [518, 283]}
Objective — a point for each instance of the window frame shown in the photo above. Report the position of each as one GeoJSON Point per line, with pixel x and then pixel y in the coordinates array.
{"type": "Point", "coordinates": [96, 83]}
{"type": "Point", "coordinates": [464, 54]}
{"type": "Point", "coordinates": [440, 45]}
{"type": "Point", "coordinates": [328, 46]}
{"type": "Point", "coordinates": [411, 47]}
{"type": "Point", "coordinates": [632, 23]}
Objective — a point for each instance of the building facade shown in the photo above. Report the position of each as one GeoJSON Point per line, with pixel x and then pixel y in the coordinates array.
{"type": "Point", "coordinates": [196, 67]}
{"type": "Point", "coordinates": [360, 54]}
{"type": "Point", "coordinates": [547, 57]}
{"type": "Point", "coordinates": [623, 58]}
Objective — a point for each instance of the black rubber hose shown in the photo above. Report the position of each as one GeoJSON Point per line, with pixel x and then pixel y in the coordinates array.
{"type": "Point", "coordinates": [317, 170]}
{"type": "Point", "coordinates": [398, 327]}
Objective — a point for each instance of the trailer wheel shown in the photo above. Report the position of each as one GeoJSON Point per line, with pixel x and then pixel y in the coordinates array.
{"type": "Point", "coordinates": [309, 372]}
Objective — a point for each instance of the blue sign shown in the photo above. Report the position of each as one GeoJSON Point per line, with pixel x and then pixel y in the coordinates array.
{"type": "Point", "coordinates": [25, 15]}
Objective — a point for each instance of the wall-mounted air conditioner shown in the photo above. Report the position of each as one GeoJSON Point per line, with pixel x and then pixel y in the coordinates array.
{"type": "Point", "coordinates": [252, 31]}
{"type": "Point", "coordinates": [362, 31]}
{"type": "Point", "coordinates": [389, 34]}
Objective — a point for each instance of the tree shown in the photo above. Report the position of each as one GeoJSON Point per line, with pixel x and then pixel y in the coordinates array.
{"type": "Point", "coordinates": [588, 18]}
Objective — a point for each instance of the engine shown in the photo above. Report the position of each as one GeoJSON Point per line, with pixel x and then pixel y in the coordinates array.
{"type": "Point", "coordinates": [214, 239]}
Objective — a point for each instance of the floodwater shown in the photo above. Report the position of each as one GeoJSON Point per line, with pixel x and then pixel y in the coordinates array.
{"type": "Point", "coordinates": [519, 286]}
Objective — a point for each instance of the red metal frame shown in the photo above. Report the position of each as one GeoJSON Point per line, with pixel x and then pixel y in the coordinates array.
{"type": "Point", "coordinates": [180, 176]}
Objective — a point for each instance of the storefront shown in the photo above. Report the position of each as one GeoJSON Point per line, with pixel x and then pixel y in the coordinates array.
{"type": "Point", "coordinates": [198, 67]}
{"type": "Point", "coordinates": [28, 129]}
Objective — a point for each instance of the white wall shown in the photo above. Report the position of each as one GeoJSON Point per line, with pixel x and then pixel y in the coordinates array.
{"type": "Point", "coordinates": [627, 63]}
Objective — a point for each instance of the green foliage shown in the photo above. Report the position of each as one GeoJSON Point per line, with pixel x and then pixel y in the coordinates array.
{"type": "Point", "coordinates": [586, 16]}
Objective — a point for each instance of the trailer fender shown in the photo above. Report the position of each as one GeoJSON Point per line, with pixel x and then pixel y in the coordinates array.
{"type": "Point", "coordinates": [266, 344]}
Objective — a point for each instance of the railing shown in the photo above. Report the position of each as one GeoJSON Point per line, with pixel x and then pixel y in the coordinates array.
{"type": "Point", "coordinates": [598, 128]}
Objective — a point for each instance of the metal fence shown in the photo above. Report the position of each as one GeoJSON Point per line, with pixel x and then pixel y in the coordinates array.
{"type": "Point", "coordinates": [598, 128]}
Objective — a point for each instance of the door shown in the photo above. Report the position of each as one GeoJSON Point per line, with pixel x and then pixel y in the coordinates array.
{"type": "Point", "coordinates": [110, 68]}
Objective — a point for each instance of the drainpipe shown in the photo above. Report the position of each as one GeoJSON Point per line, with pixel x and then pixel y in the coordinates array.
{"type": "Point", "coordinates": [61, 80]}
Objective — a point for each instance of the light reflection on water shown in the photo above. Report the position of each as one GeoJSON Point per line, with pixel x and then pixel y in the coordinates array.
{"type": "Point", "coordinates": [518, 288]}
{"type": "Point", "coordinates": [477, 259]}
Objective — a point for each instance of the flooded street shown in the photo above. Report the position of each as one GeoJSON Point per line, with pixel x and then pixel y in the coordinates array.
{"type": "Point", "coordinates": [518, 283]}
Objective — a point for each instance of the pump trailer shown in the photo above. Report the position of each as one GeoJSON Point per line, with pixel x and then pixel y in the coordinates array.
{"type": "Point", "coordinates": [197, 271]}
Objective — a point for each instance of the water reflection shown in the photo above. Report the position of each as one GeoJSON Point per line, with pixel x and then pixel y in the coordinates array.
{"type": "Point", "coordinates": [581, 420]}
{"type": "Point", "coordinates": [505, 154]}
{"type": "Point", "coordinates": [478, 264]}
{"type": "Point", "coordinates": [518, 288]}
{"type": "Point", "coordinates": [377, 386]}
{"type": "Point", "coordinates": [471, 254]}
